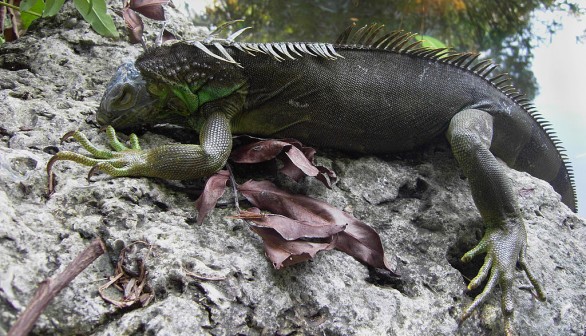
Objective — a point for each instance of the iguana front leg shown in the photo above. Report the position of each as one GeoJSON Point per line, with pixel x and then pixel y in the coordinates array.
{"type": "Point", "coordinates": [175, 161]}
{"type": "Point", "coordinates": [504, 242]}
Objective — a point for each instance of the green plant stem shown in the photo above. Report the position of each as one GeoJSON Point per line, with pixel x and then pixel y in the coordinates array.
{"type": "Point", "coordinates": [18, 9]}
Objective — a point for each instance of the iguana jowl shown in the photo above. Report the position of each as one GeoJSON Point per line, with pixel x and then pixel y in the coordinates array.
{"type": "Point", "coordinates": [369, 93]}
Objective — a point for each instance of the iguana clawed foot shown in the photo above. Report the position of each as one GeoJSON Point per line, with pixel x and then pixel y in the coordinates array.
{"type": "Point", "coordinates": [170, 161]}
{"type": "Point", "coordinates": [122, 161]}
{"type": "Point", "coordinates": [504, 247]}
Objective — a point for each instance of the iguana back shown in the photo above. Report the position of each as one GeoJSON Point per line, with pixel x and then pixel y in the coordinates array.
{"type": "Point", "coordinates": [370, 101]}
{"type": "Point", "coordinates": [374, 99]}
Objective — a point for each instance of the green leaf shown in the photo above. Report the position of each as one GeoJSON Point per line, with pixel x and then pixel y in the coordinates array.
{"type": "Point", "coordinates": [27, 4]}
{"type": "Point", "coordinates": [94, 12]}
{"type": "Point", "coordinates": [52, 7]}
{"type": "Point", "coordinates": [430, 42]}
{"type": "Point", "coordinates": [30, 6]}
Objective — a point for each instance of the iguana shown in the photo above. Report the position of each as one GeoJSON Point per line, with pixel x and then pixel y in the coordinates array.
{"type": "Point", "coordinates": [370, 92]}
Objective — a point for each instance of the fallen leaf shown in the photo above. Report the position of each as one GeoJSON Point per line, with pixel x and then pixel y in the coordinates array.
{"type": "Point", "coordinates": [357, 240]}
{"type": "Point", "coordinates": [134, 288]}
{"type": "Point", "coordinates": [153, 9]}
{"type": "Point", "coordinates": [213, 190]}
{"type": "Point", "coordinates": [259, 151]}
{"type": "Point", "coordinates": [133, 24]}
{"type": "Point", "coordinates": [297, 159]}
{"type": "Point", "coordinates": [283, 253]}
{"type": "Point", "coordinates": [291, 229]}
{"type": "Point", "coordinates": [167, 36]}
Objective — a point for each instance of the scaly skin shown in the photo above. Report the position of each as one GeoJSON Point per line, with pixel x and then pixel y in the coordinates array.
{"type": "Point", "coordinates": [366, 100]}
{"type": "Point", "coordinates": [505, 240]}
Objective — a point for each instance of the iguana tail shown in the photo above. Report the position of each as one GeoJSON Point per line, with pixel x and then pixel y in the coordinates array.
{"type": "Point", "coordinates": [527, 143]}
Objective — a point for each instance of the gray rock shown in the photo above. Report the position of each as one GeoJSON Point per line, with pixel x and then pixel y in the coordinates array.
{"type": "Point", "coordinates": [51, 81]}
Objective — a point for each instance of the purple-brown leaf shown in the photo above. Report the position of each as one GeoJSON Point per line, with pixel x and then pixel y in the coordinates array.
{"type": "Point", "coordinates": [299, 164]}
{"type": "Point", "coordinates": [259, 151]}
{"type": "Point", "coordinates": [133, 24]}
{"type": "Point", "coordinates": [168, 36]}
{"type": "Point", "coordinates": [326, 176]}
{"type": "Point", "coordinates": [213, 190]}
{"type": "Point", "coordinates": [363, 243]}
{"type": "Point", "coordinates": [297, 159]}
{"type": "Point", "coordinates": [290, 229]}
{"type": "Point", "coordinates": [357, 240]}
{"type": "Point", "coordinates": [153, 9]}
{"type": "Point", "coordinates": [283, 253]}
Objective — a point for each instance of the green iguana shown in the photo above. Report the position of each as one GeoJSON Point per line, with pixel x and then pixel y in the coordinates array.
{"type": "Point", "coordinates": [370, 92]}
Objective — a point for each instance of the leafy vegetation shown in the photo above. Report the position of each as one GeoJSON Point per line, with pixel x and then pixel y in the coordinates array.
{"type": "Point", "coordinates": [22, 13]}
{"type": "Point", "coordinates": [94, 12]}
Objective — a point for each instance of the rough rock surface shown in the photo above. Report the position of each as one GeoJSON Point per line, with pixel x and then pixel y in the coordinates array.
{"type": "Point", "coordinates": [51, 82]}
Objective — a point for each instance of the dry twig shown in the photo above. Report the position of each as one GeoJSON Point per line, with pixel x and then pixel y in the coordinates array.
{"type": "Point", "coordinates": [50, 287]}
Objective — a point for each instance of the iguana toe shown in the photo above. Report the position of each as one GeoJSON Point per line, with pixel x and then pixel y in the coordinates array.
{"type": "Point", "coordinates": [504, 247]}
{"type": "Point", "coordinates": [117, 162]}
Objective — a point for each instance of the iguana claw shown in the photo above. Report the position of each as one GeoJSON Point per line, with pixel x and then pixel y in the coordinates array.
{"type": "Point", "coordinates": [116, 163]}
{"type": "Point", "coordinates": [504, 247]}
{"type": "Point", "coordinates": [169, 161]}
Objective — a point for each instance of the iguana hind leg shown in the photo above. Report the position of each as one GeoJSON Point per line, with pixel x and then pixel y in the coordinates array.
{"type": "Point", "coordinates": [505, 241]}
{"type": "Point", "coordinates": [174, 161]}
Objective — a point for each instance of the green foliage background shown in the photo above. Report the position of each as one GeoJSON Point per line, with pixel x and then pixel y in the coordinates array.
{"type": "Point", "coordinates": [93, 11]}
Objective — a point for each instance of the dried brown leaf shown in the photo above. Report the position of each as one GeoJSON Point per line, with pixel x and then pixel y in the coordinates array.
{"type": "Point", "coordinates": [290, 229]}
{"type": "Point", "coordinates": [134, 288]}
{"type": "Point", "coordinates": [134, 25]}
{"type": "Point", "coordinates": [297, 159]}
{"type": "Point", "coordinates": [283, 253]}
{"type": "Point", "coordinates": [297, 164]}
{"type": "Point", "coordinates": [153, 9]}
{"type": "Point", "coordinates": [259, 151]}
{"type": "Point", "coordinates": [266, 196]}
{"type": "Point", "coordinates": [129, 289]}
{"type": "Point", "coordinates": [213, 190]}
{"type": "Point", "coordinates": [357, 240]}
{"type": "Point", "coordinates": [168, 36]}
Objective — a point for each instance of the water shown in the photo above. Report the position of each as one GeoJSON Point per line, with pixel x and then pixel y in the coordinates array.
{"type": "Point", "coordinates": [560, 69]}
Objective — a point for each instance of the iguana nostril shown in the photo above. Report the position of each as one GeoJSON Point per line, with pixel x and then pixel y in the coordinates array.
{"type": "Point", "coordinates": [126, 98]}
{"type": "Point", "coordinates": [123, 96]}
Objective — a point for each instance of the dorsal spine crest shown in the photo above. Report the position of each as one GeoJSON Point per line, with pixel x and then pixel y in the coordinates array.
{"type": "Point", "coordinates": [398, 41]}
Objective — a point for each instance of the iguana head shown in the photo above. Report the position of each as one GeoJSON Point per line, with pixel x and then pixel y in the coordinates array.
{"type": "Point", "coordinates": [168, 84]}
{"type": "Point", "coordinates": [126, 102]}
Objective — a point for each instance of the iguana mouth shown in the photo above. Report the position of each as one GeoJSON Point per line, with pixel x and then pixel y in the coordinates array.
{"type": "Point", "coordinates": [125, 119]}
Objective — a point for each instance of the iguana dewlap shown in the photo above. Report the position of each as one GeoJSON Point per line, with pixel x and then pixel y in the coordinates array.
{"type": "Point", "coordinates": [371, 93]}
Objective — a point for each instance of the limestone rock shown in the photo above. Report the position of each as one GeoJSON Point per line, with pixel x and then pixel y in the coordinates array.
{"type": "Point", "coordinates": [51, 82]}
